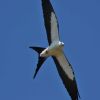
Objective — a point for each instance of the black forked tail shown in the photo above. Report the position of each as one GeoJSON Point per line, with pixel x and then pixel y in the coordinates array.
{"type": "Point", "coordinates": [40, 59]}
{"type": "Point", "coordinates": [37, 49]}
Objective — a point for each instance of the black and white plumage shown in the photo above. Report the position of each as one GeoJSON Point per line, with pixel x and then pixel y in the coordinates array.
{"type": "Point", "coordinates": [50, 20]}
{"type": "Point", "coordinates": [55, 49]}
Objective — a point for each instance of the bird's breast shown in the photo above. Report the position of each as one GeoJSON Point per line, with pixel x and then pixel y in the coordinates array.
{"type": "Point", "coordinates": [53, 50]}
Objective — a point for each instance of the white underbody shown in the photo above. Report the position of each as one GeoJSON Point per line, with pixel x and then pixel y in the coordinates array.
{"type": "Point", "coordinates": [53, 49]}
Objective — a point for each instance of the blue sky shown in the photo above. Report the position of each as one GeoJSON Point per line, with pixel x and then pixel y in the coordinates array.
{"type": "Point", "coordinates": [21, 26]}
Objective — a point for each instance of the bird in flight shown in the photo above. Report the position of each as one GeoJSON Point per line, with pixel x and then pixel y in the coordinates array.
{"type": "Point", "coordinates": [55, 49]}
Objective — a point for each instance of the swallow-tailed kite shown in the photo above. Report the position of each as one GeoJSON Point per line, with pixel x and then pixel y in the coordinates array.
{"type": "Point", "coordinates": [55, 49]}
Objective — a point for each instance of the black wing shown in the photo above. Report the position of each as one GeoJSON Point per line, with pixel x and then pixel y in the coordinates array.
{"type": "Point", "coordinates": [67, 75]}
{"type": "Point", "coordinates": [50, 21]}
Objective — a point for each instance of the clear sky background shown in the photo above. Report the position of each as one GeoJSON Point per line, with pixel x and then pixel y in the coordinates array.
{"type": "Point", "coordinates": [21, 26]}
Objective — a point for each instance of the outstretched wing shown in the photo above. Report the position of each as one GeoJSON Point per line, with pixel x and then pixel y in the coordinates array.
{"type": "Point", "coordinates": [50, 21]}
{"type": "Point", "coordinates": [67, 75]}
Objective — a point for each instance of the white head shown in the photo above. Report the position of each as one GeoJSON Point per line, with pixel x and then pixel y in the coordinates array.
{"type": "Point", "coordinates": [61, 44]}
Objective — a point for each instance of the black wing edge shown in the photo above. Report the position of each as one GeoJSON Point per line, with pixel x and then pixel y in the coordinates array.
{"type": "Point", "coordinates": [70, 85]}
{"type": "Point", "coordinates": [47, 10]}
